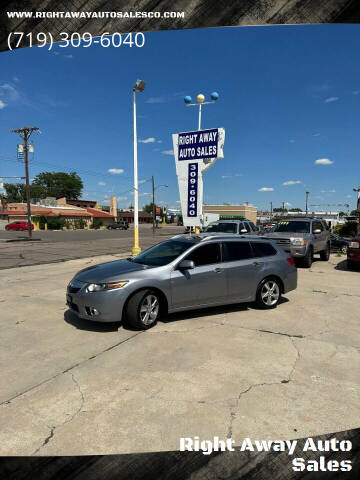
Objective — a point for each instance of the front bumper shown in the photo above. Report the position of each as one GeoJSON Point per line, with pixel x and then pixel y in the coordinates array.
{"type": "Point", "coordinates": [108, 304]}
{"type": "Point", "coordinates": [294, 251]}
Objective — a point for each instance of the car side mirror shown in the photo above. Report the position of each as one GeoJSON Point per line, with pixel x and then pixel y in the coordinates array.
{"type": "Point", "coordinates": [186, 265]}
{"type": "Point", "coordinates": [317, 230]}
{"type": "Point", "coordinates": [243, 230]}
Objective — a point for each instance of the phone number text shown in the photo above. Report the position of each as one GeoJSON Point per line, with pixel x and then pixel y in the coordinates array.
{"type": "Point", "coordinates": [85, 40]}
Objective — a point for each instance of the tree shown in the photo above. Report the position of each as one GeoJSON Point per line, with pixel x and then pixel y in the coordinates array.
{"type": "Point", "coordinates": [148, 208]}
{"type": "Point", "coordinates": [279, 209]}
{"type": "Point", "coordinates": [295, 209]}
{"type": "Point", "coordinates": [15, 192]}
{"type": "Point", "coordinates": [58, 184]}
{"type": "Point", "coordinates": [355, 213]}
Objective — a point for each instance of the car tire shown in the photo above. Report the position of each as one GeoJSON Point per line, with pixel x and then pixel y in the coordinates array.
{"type": "Point", "coordinates": [308, 259]}
{"type": "Point", "coordinates": [264, 298]}
{"type": "Point", "coordinates": [344, 249]}
{"type": "Point", "coordinates": [7, 229]}
{"type": "Point", "coordinates": [325, 254]}
{"type": "Point", "coordinates": [143, 310]}
{"type": "Point", "coordinates": [350, 265]}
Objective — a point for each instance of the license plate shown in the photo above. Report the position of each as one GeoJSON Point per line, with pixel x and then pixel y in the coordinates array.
{"type": "Point", "coordinates": [68, 299]}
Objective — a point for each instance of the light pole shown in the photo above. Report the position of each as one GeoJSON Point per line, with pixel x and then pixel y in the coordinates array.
{"type": "Point", "coordinates": [138, 87]}
{"type": "Point", "coordinates": [153, 195]}
{"type": "Point", "coordinates": [200, 102]}
{"type": "Point", "coordinates": [306, 205]}
{"type": "Point", "coordinates": [357, 191]}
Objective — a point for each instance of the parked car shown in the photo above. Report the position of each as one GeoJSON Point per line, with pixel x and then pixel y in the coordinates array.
{"type": "Point", "coordinates": [302, 237]}
{"type": "Point", "coordinates": [183, 273]}
{"type": "Point", "coordinates": [239, 227]}
{"type": "Point", "coordinates": [120, 225]}
{"type": "Point", "coordinates": [18, 226]}
{"type": "Point", "coordinates": [338, 244]}
{"type": "Point", "coordinates": [353, 253]}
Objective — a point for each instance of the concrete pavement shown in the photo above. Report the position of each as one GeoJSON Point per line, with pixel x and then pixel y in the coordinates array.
{"type": "Point", "coordinates": [70, 387]}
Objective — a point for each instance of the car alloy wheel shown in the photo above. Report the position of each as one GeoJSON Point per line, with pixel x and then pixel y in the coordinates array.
{"type": "Point", "coordinates": [149, 309]}
{"type": "Point", "coordinates": [344, 249]}
{"type": "Point", "coordinates": [270, 293]}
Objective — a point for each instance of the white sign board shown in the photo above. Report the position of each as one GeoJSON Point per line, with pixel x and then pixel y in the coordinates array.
{"type": "Point", "coordinates": [195, 152]}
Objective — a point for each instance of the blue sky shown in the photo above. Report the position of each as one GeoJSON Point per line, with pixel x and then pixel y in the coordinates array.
{"type": "Point", "coordinates": [289, 97]}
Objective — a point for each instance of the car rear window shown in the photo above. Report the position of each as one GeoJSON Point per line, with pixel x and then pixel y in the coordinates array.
{"type": "Point", "coordinates": [222, 227]}
{"type": "Point", "coordinates": [236, 251]}
{"type": "Point", "coordinates": [262, 249]}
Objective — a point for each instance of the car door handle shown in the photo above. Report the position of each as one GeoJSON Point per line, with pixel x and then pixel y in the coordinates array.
{"type": "Point", "coordinates": [256, 264]}
{"type": "Point", "coordinates": [218, 270]}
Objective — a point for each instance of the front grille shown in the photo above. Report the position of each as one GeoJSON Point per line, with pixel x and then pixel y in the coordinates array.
{"type": "Point", "coordinates": [283, 241]}
{"type": "Point", "coordinates": [73, 306]}
{"type": "Point", "coordinates": [72, 289]}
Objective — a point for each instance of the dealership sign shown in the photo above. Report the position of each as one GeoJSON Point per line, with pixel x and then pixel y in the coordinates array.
{"type": "Point", "coordinates": [194, 153]}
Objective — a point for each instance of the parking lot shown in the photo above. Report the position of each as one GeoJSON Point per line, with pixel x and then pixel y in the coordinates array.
{"type": "Point", "coordinates": [71, 387]}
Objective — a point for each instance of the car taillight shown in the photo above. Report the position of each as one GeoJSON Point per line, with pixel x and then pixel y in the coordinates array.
{"type": "Point", "coordinates": [291, 261]}
{"type": "Point", "coordinates": [354, 245]}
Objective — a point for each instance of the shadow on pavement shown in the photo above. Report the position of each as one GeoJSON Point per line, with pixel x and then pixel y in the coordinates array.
{"type": "Point", "coordinates": [89, 325]}
{"type": "Point", "coordinates": [344, 267]}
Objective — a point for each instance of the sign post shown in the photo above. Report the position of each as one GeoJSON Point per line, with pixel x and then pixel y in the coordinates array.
{"type": "Point", "coordinates": [195, 152]}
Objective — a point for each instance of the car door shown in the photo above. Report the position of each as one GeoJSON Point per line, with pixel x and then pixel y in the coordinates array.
{"type": "Point", "coordinates": [203, 285]}
{"type": "Point", "coordinates": [242, 270]}
{"type": "Point", "coordinates": [319, 238]}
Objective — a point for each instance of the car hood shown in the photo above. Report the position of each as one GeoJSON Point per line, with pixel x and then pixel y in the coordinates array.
{"type": "Point", "coordinates": [109, 271]}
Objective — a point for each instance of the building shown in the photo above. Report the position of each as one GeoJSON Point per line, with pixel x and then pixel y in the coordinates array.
{"type": "Point", "coordinates": [144, 217]}
{"type": "Point", "coordinates": [247, 211]}
{"type": "Point", "coordinates": [76, 217]}
{"type": "Point", "coordinates": [78, 203]}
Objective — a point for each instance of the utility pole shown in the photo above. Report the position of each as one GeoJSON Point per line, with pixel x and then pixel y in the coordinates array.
{"type": "Point", "coordinates": [153, 197]}
{"type": "Point", "coordinates": [25, 133]}
{"type": "Point", "coordinates": [306, 206]}
{"type": "Point", "coordinates": [271, 212]}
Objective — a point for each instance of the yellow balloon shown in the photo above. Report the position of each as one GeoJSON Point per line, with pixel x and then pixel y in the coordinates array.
{"type": "Point", "coordinates": [200, 98]}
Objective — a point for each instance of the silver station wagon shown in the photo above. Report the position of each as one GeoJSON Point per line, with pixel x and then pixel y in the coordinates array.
{"type": "Point", "coordinates": [182, 273]}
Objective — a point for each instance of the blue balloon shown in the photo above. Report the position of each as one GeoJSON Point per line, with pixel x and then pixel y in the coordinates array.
{"type": "Point", "coordinates": [187, 99]}
{"type": "Point", "coordinates": [214, 96]}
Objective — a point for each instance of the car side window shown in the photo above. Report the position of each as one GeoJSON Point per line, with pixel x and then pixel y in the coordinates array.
{"type": "Point", "coordinates": [317, 225]}
{"type": "Point", "coordinates": [255, 229]}
{"type": "Point", "coordinates": [262, 249]}
{"type": "Point", "coordinates": [247, 226]}
{"type": "Point", "coordinates": [236, 251]}
{"type": "Point", "coordinates": [205, 255]}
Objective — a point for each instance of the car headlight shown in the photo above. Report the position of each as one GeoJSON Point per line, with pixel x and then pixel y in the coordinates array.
{"type": "Point", "coordinates": [298, 242]}
{"type": "Point", "coordinates": [354, 245]}
{"type": "Point", "coordinates": [98, 287]}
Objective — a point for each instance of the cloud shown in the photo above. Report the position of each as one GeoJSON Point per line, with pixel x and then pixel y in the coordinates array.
{"type": "Point", "coordinates": [316, 135]}
{"type": "Point", "coordinates": [287, 204]}
{"type": "Point", "coordinates": [266, 189]}
{"type": "Point", "coordinates": [68, 56]}
{"type": "Point", "coordinates": [348, 196]}
{"type": "Point", "coordinates": [156, 100]}
{"type": "Point", "coordinates": [142, 181]}
{"type": "Point", "coordinates": [168, 152]}
{"type": "Point", "coordinates": [327, 191]}
{"type": "Point", "coordinates": [355, 92]}
{"type": "Point", "coordinates": [147, 140]}
{"type": "Point", "coordinates": [121, 198]}
{"type": "Point", "coordinates": [178, 201]}
{"type": "Point", "coordinates": [331, 99]}
{"type": "Point", "coordinates": [292, 182]}
{"type": "Point", "coordinates": [102, 184]}
{"type": "Point", "coordinates": [323, 161]}
{"type": "Point", "coordinates": [115, 171]}
{"type": "Point", "coordinates": [2, 104]}
{"type": "Point", "coordinates": [106, 196]}
{"type": "Point", "coordinates": [291, 141]}
{"type": "Point", "coordinates": [159, 141]}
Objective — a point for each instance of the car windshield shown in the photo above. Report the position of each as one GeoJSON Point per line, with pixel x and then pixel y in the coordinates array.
{"type": "Point", "coordinates": [222, 227]}
{"type": "Point", "coordinates": [293, 227]}
{"type": "Point", "coordinates": [162, 253]}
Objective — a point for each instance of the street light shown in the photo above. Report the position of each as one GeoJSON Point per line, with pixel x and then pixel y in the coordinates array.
{"type": "Point", "coordinates": [138, 87]}
{"type": "Point", "coordinates": [357, 191]}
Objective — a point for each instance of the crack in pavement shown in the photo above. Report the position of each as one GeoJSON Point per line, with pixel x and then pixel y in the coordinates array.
{"type": "Point", "coordinates": [287, 380]}
{"type": "Point", "coordinates": [54, 427]}
{"type": "Point", "coordinates": [7, 402]}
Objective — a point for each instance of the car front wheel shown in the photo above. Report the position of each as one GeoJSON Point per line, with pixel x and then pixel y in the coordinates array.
{"type": "Point", "coordinates": [325, 254]}
{"type": "Point", "coordinates": [143, 310]}
{"type": "Point", "coordinates": [268, 293]}
{"type": "Point", "coordinates": [308, 259]}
